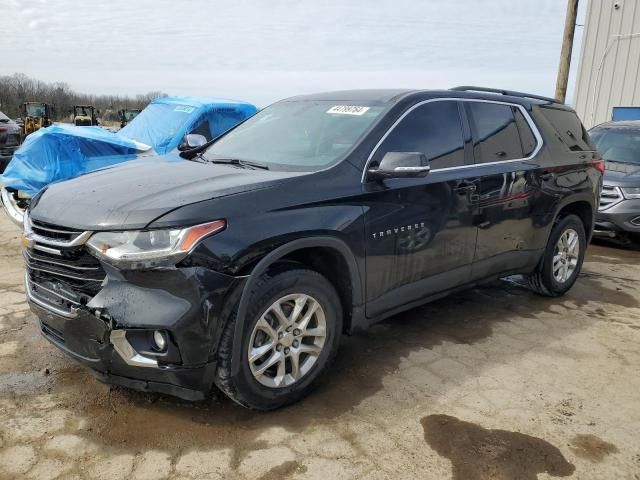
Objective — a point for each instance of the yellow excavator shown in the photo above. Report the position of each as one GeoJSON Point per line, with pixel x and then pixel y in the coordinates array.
{"type": "Point", "coordinates": [84, 116]}
{"type": "Point", "coordinates": [35, 115]}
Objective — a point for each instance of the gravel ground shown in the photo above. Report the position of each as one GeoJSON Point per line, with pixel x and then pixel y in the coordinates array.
{"type": "Point", "coordinates": [493, 383]}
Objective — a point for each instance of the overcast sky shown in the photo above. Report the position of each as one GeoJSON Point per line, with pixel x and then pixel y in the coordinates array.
{"type": "Point", "coordinates": [265, 50]}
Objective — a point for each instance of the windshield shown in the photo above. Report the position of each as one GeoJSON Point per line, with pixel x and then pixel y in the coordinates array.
{"type": "Point", "coordinates": [298, 135]}
{"type": "Point", "coordinates": [130, 114]}
{"type": "Point", "coordinates": [618, 144]}
{"type": "Point", "coordinates": [82, 111]}
{"type": "Point", "coordinates": [35, 110]}
{"type": "Point", "coordinates": [158, 124]}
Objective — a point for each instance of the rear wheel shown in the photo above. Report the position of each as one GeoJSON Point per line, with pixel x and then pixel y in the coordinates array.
{"type": "Point", "coordinates": [289, 337]}
{"type": "Point", "coordinates": [562, 260]}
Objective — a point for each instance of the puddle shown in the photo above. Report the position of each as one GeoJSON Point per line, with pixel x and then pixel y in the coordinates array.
{"type": "Point", "coordinates": [480, 454]}
{"type": "Point", "coordinates": [283, 471]}
{"type": "Point", "coordinates": [592, 448]}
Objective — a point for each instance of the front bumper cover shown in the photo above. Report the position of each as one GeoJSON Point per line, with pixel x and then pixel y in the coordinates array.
{"type": "Point", "coordinates": [186, 303]}
{"type": "Point", "coordinates": [623, 217]}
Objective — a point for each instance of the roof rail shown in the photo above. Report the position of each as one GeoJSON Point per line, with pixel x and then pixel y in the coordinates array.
{"type": "Point", "coordinates": [467, 88]}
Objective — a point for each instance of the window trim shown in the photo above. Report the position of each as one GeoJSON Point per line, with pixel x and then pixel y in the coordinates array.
{"type": "Point", "coordinates": [525, 113]}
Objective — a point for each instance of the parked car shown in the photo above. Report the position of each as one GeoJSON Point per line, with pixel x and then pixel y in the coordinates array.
{"type": "Point", "coordinates": [61, 152]}
{"type": "Point", "coordinates": [241, 263]}
{"type": "Point", "coordinates": [618, 216]}
{"type": "Point", "coordinates": [9, 139]}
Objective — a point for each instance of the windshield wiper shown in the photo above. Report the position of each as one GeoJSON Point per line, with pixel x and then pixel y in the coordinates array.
{"type": "Point", "coordinates": [237, 161]}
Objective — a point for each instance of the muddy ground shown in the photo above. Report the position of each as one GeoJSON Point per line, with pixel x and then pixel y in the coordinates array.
{"type": "Point", "coordinates": [494, 383]}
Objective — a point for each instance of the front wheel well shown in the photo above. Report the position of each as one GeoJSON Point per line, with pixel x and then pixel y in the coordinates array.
{"type": "Point", "coordinates": [331, 264]}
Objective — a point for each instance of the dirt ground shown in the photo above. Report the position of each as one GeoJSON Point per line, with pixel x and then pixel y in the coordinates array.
{"type": "Point", "coordinates": [493, 383]}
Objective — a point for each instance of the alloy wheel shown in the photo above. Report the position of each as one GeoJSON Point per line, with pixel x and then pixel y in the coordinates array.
{"type": "Point", "coordinates": [287, 340]}
{"type": "Point", "coordinates": [565, 255]}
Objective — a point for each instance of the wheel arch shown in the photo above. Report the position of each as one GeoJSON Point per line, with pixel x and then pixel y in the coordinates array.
{"type": "Point", "coordinates": [583, 208]}
{"type": "Point", "coordinates": [305, 251]}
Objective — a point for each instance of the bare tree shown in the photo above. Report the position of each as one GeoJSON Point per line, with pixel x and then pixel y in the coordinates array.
{"type": "Point", "coordinates": [19, 88]}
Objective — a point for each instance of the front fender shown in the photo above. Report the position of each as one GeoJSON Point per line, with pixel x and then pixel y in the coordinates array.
{"type": "Point", "coordinates": [280, 252]}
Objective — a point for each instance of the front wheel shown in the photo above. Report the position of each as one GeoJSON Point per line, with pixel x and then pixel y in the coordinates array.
{"type": "Point", "coordinates": [562, 261]}
{"type": "Point", "coordinates": [289, 337]}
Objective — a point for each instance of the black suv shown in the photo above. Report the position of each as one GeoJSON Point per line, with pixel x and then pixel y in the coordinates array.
{"type": "Point", "coordinates": [241, 263]}
{"type": "Point", "coordinates": [619, 214]}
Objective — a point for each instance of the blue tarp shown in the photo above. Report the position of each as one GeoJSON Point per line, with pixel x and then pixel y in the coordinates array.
{"type": "Point", "coordinates": [61, 152]}
{"type": "Point", "coordinates": [165, 122]}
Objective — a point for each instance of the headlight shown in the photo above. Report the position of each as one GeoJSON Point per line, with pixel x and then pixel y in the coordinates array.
{"type": "Point", "coordinates": [149, 248]}
{"type": "Point", "coordinates": [631, 192]}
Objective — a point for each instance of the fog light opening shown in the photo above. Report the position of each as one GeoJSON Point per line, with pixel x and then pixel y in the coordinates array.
{"type": "Point", "coordinates": [160, 340]}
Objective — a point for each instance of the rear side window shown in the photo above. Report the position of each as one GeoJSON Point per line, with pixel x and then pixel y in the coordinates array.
{"type": "Point", "coordinates": [569, 128]}
{"type": "Point", "coordinates": [434, 129]}
{"type": "Point", "coordinates": [496, 133]}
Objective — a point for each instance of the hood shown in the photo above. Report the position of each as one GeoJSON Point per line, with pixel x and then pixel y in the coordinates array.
{"type": "Point", "coordinates": [622, 174]}
{"type": "Point", "coordinates": [132, 195]}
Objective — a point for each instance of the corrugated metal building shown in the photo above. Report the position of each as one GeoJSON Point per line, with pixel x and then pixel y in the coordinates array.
{"type": "Point", "coordinates": [608, 81]}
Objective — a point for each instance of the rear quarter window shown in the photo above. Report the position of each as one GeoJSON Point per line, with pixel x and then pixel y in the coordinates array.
{"type": "Point", "coordinates": [568, 128]}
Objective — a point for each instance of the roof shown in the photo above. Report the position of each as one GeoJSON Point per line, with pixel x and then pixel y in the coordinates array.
{"type": "Point", "coordinates": [364, 95]}
{"type": "Point", "coordinates": [393, 95]}
{"type": "Point", "coordinates": [620, 123]}
{"type": "Point", "coordinates": [198, 101]}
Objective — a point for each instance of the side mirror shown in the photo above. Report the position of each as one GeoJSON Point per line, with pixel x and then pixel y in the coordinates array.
{"type": "Point", "coordinates": [192, 140]}
{"type": "Point", "coordinates": [401, 165]}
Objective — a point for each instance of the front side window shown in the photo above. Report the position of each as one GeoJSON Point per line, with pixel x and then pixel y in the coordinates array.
{"type": "Point", "coordinates": [304, 135]}
{"type": "Point", "coordinates": [434, 129]}
{"type": "Point", "coordinates": [496, 133]}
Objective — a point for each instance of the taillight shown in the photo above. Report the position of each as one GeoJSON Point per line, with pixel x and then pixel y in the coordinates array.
{"type": "Point", "coordinates": [599, 165]}
{"type": "Point", "coordinates": [3, 129]}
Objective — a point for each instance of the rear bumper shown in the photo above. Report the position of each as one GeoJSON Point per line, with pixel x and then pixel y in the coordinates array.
{"type": "Point", "coordinates": [623, 217]}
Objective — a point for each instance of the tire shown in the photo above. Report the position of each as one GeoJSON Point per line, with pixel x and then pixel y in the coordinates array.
{"type": "Point", "coordinates": [263, 392]}
{"type": "Point", "coordinates": [543, 281]}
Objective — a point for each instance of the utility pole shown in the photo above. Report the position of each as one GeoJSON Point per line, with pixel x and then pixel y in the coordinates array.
{"type": "Point", "coordinates": [565, 53]}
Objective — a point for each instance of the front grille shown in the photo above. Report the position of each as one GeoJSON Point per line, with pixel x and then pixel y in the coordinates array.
{"type": "Point", "coordinates": [54, 232]}
{"type": "Point", "coordinates": [61, 274]}
{"type": "Point", "coordinates": [610, 196]}
{"type": "Point", "coordinates": [64, 281]}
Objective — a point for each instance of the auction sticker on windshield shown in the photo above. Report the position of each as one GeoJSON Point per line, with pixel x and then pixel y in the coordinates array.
{"type": "Point", "coordinates": [348, 110]}
{"type": "Point", "coordinates": [184, 108]}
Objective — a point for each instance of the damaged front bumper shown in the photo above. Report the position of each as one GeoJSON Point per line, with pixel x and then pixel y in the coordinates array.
{"type": "Point", "coordinates": [112, 332]}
